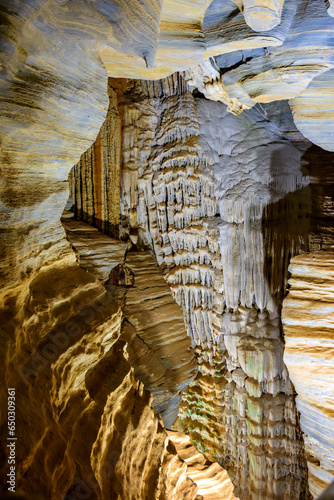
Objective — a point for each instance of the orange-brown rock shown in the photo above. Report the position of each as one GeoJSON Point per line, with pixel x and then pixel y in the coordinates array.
{"type": "Point", "coordinates": [157, 344]}
{"type": "Point", "coordinates": [84, 424]}
{"type": "Point", "coordinates": [212, 480]}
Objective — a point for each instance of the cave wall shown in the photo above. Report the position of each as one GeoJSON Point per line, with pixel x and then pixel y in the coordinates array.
{"type": "Point", "coordinates": [59, 327]}
{"type": "Point", "coordinates": [180, 199]}
{"type": "Point", "coordinates": [79, 409]}
{"type": "Point", "coordinates": [157, 346]}
{"type": "Point", "coordinates": [308, 330]}
{"type": "Point", "coordinates": [223, 202]}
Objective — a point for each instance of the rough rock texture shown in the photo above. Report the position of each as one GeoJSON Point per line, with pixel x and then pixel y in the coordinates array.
{"type": "Point", "coordinates": [158, 323]}
{"type": "Point", "coordinates": [213, 482]}
{"type": "Point", "coordinates": [157, 345]}
{"type": "Point", "coordinates": [223, 203]}
{"type": "Point", "coordinates": [84, 423]}
{"type": "Point", "coordinates": [81, 416]}
{"type": "Point", "coordinates": [308, 319]}
{"type": "Point", "coordinates": [209, 201]}
{"type": "Point", "coordinates": [71, 413]}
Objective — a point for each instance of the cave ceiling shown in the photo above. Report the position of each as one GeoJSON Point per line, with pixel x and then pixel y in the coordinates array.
{"type": "Point", "coordinates": [167, 237]}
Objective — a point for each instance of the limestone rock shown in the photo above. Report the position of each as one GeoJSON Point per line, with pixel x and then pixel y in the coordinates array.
{"type": "Point", "coordinates": [262, 16]}
{"type": "Point", "coordinates": [158, 322]}
{"type": "Point", "coordinates": [312, 107]}
{"type": "Point", "coordinates": [157, 345]}
{"type": "Point", "coordinates": [96, 253]}
{"type": "Point", "coordinates": [218, 202]}
{"type": "Point", "coordinates": [213, 482]}
{"type": "Point", "coordinates": [309, 328]}
{"type": "Point", "coordinates": [264, 72]}
{"type": "Point", "coordinates": [222, 203]}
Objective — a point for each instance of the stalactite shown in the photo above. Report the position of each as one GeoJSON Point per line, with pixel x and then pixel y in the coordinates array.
{"type": "Point", "coordinates": [217, 199]}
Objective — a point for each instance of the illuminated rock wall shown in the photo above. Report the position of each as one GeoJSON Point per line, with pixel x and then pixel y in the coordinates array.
{"type": "Point", "coordinates": [80, 413]}
{"type": "Point", "coordinates": [157, 345]}
{"type": "Point", "coordinates": [59, 327]}
{"type": "Point", "coordinates": [308, 320]}
{"type": "Point", "coordinates": [223, 203]}
{"type": "Point", "coordinates": [209, 201]}
{"type": "Point", "coordinates": [292, 61]}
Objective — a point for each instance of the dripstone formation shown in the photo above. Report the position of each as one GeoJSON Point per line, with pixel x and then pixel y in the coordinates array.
{"type": "Point", "coordinates": [167, 215]}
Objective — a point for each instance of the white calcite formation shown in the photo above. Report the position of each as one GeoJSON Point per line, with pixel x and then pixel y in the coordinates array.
{"type": "Point", "coordinates": [218, 202]}
{"type": "Point", "coordinates": [308, 319]}
{"type": "Point", "coordinates": [223, 203]}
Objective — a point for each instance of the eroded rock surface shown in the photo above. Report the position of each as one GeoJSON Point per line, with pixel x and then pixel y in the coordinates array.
{"type": "Point", "coordinates": [223, 203]}
{"type": "Point", "coordinates": [157, 345]}
{"type": "Point", "coordinates": [292, 61]}
{"type": "Point", "coordinates": [213, 482]}
{"type": "Point", "coordinates": [79, 407]}
{"type": "Point", "coordinates": [309, 333]}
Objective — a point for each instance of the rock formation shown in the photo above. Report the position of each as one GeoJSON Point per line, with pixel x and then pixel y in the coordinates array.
{"type": "Point", "coordinates": [308, 327]}
{"type": "Point", "coordinates": [153, 326]}
{"type": "Point", "coordinates": [201, 196]}
{"type": "Point", "coordinates": [212, 481]}
{"type": "Point", "coordinates": [189, 204]}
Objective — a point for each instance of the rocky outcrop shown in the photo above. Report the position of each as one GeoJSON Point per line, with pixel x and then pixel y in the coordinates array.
{"type": "Point", "coordinates": [249, 426]}
{"type": "Point", "coordinates": [59, 341]}
{"type": "Point", "coordinates": [261, 16]}
{"type": "Point", "coordinates": [309, 332]}
{"type": "Point", "coordinates": [158, 323]}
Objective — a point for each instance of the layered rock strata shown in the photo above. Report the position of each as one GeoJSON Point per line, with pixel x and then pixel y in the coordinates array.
{"type": "Point", "coordinates": [295, 63]}
{"type": "Point", "coordinates": [224, 205]}
{"type": "Point", "coordinates": [213, 482]}
{"type": "Point", "coordinates": [100, 167]}
{"type": "Point", "coordinates": [55, 61]}
{"type": "Point", "coordinates": [84, 423]}
{"type": "Point", "coordinates": [159, 358]}
{"type": "Point", "coordinates": [308, 320]}
{"type": "Point", "coordinates": [157, 345]}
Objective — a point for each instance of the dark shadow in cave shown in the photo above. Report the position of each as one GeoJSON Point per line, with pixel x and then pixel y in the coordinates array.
{"type": "Point", "coordinates": [299, 222]}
